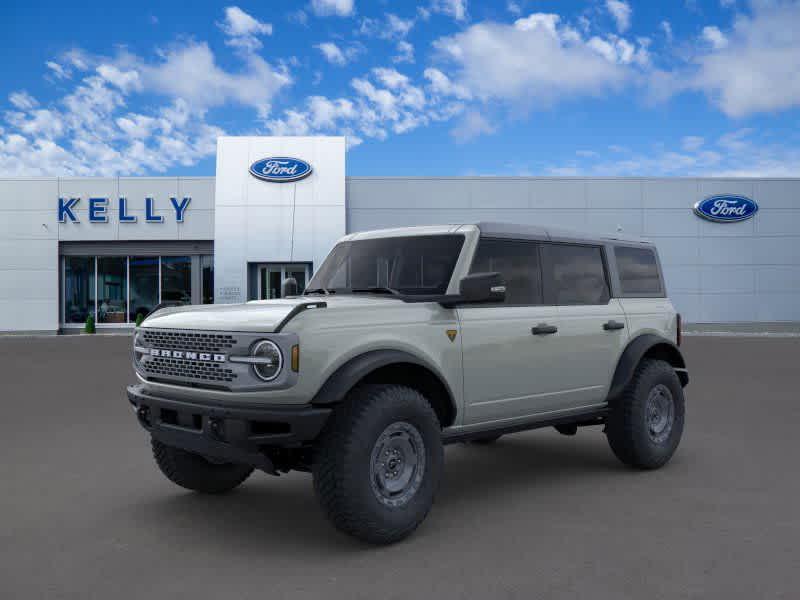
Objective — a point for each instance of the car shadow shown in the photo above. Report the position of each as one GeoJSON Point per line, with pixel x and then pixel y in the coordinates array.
{"type": "Point", "coordinates": [284, 512]}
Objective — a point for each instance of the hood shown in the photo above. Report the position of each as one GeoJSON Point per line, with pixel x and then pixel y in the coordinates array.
{"type": "Point", "coordinates": [258, 316]}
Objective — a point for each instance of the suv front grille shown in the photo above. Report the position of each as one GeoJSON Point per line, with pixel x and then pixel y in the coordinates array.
{"type": "Point", "coordinates": [200, 371]}
{"type": "Point", "coordinates": [166, 339]}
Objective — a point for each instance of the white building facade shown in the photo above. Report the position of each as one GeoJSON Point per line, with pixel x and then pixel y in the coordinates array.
{"type": "Point", "coordinates": [114, 248]}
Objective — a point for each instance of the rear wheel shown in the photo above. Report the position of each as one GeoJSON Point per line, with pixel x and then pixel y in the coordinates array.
{"type": "Point", "coordinates": [378, 463]}
{"type": "Point", "coordinates": [194, 472]}
{"type": "Point", "coordinates": [645, 423]}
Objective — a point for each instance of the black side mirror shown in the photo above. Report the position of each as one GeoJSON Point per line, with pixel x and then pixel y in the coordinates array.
{"type": "Point", "coordinates": [482, 287]}
{"type": "Point", "coordinates": [289, 287]}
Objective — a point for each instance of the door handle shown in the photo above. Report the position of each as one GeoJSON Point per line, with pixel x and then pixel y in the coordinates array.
{"type": "Point", "coordinates": [543, 329]}
{"type": "Point", "coordinates": [612, 325]}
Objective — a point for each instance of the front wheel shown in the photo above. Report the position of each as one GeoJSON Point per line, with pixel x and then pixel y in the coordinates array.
{"type": "Point", "coordinates": [378, 463]}
{"type": "Point", "coordinates": [645, 423]}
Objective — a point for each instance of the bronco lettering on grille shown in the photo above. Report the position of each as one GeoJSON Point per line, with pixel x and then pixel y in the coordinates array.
{"type": "Point", "coordinates": [188, 355]}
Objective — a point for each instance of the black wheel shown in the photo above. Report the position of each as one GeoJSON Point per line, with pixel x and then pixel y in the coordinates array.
{"type": "Point", "coordinates": [194, 472]}
{"type": "Point", "coordinates": [645, 423]}
{"type": "Point", "coordinates": [378, 463]}
{"type": "Point", "coordinates": [485, 441]}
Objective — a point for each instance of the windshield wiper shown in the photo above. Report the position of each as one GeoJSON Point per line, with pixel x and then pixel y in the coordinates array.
{"type": "Point", "coordinates": [319, 290]}
{"type": "Point", "coordinates": [376, 290]}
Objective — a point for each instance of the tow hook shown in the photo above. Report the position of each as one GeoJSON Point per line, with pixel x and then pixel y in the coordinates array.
{"type": "Point", "coordinates": [216, 428]}
{"type": "Point", "coordinates": [143, 414]}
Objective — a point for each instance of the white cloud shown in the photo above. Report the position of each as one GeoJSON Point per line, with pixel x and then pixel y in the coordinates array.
{"type": "Point", "coordinates": [735, 154]}
{"type": "Point", "coordinates": [191, 72]}
{"type": "Point", "coordinates": [58, 70]}
{"type": "Point", "coordinates": [727, 3]}
{"type": "Point", "coordinates": [692, 143]}
{"type": "Point", "coordinates": [472, 124]}
{"type": "Point", "coordinates": [537, 60]}
{"type": "Point", "coordinates": [453, 8]}
{"type": "Point", "coordinates": [405, 52]}
{"type": "Point", "coordinates": [243, 29]}
{"type": "Point", "coordinates": [398, 27]}
{"type": "Point", "coordinates": [385, 101]}
{"type": "Point", "coordinates": [758, 70]}
{"type": "Point", "coordinates": [336, 55]}
{"type": "Point", "coordinates": [90, 130]}
{"type": "Point", "coordinates": [441, 84]}
{"type": "Point", "coordinates": [514, 8]}
{"type": "Point", "coordinates": [22, 100]}
{"type": "Point", "coordinates": [715, 37]}
{"type": "Point", "coordinates": [666, 27]}
{"type": "Point", "coordinates": [621, 11]}
{"type": "Point", "coordinates": [339, 8]}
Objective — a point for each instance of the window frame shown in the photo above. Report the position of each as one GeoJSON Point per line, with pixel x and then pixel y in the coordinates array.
{"type": "Point", "coordinates": [537, 244]}
{"type": "Point", "coordinates": [622, 294]}
{"type": "Point", "coordinates": [548, 283]}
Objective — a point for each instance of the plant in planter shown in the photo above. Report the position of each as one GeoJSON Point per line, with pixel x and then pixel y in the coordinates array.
{"type": "Point", "coordinates": [89, 327]}
{"type": "Point", "coordinates": [139, 319]}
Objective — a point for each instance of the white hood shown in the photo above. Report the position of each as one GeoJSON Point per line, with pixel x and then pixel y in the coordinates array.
{"type": "Point", "coordinates": [259, 316]}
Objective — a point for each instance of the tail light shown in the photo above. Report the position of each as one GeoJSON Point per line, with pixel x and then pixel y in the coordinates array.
{"type": "Point", "coordinates": [679, 333]}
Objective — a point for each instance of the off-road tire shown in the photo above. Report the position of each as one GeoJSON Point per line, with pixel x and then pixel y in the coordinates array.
{"type": "Point", "coordinates": [194, 472]}
{"type": "Point", "coordinates": [627, 427]}
{"type": "Point", "coordinates": [344, 479]}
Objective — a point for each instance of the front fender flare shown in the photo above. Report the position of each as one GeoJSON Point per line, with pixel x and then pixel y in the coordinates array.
{"type": "Point", "coordinates": [638, 348]}
{"type": "Point", "coordinates": [350, 373]}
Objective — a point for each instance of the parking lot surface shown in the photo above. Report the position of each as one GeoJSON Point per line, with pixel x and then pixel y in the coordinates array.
{"type": "Point", "coordinates": [84, 512]}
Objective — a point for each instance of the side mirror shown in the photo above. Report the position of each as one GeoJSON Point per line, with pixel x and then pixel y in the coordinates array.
{"type": "Point", "coordinates": [482, 287]}
{"type": "Point", "coordinates": [289, 287]}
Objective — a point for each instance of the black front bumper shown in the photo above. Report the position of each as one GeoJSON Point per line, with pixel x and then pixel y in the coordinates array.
{"type": "Point", "coordinates": [239, 435]}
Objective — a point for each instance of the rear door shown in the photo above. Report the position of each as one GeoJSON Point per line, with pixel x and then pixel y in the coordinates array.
{"type": "Point", "coordinates": [592, 329]}
{"type": "Point", "coordinates": [508, 370]}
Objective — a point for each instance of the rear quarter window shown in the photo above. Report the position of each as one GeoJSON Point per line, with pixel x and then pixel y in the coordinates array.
{"type": "Point", "coordinates": [638, 271]}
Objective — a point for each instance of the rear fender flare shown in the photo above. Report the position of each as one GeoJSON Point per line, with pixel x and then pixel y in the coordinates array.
{"type": "Point", "coordinates": [645, 346]}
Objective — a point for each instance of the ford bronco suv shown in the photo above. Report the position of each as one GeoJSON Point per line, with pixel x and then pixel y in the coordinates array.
{"type": "Point", "coordinates": [406, 340]}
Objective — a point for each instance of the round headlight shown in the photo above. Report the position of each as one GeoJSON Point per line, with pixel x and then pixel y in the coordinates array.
{"type": "Point", "coordinates": [270, 360]}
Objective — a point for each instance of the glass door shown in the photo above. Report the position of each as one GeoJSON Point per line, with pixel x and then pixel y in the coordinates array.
{"type": "Point", "coordinates": [272, 276]}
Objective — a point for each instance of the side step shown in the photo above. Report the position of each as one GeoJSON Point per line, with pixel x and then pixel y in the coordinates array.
{"type": "Point", "coordinates": [581, 419]}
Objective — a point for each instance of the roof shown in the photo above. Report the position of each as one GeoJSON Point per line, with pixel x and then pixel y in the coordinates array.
{"type": "Point", "coordinates": [498, 229]}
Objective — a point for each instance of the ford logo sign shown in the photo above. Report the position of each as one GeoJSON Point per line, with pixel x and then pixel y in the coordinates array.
{"type": "Point", "coordinates": [726, 209]}
{"type": "Point", "coordinates": [280, 169]}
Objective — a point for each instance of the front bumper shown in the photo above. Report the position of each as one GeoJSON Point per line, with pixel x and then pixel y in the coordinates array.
{"type": "Point", "coordinates": [239, 435]}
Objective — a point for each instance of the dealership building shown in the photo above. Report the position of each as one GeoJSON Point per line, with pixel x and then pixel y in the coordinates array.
{"type": "Point", "coordinates": [113, 248]}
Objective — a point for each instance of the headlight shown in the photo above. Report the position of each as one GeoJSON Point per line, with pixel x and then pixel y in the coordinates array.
{"type": "Point", "coordinates": [270, 360]}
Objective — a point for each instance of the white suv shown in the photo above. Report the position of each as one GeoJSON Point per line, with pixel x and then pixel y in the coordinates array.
{"type": "Point", "coordinates": [406, 340]}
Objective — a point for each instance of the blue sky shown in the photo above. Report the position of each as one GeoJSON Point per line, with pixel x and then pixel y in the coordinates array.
{"type": "Point", "coordinates": [437, 87]}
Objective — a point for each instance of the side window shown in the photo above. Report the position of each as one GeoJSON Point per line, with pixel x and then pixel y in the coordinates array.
{"type": "Point", "coordinates": [638, 271]}
{"type": "Point", "coordinates": [517, 262]}
{"type": "Point", "coordinates": [574, 274]}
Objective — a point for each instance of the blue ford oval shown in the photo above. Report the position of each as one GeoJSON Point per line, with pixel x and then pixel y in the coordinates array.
{"type": "Point", "coordinates": [726, 208]}
{"type": "Point", "coordinates": [280, 169]}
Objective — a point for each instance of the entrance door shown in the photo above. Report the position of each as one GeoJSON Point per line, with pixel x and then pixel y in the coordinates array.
{"type": "Point", "coordinates": [271, 278]}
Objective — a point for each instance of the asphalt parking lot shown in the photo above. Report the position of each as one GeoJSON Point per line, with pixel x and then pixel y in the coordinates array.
{"type": "Point", "coordinates": [84, 513]}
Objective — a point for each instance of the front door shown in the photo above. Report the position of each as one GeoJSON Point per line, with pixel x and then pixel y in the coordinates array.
{"type": "Point", "coordinates": [271, 278]}
{"type": "Point", "coordinates": [511, 368]}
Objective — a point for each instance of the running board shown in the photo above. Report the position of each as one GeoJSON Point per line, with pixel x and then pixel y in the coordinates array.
{"type": "Point", "coordinates": [581, 419]}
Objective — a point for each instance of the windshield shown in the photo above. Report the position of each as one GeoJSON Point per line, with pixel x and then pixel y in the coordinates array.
{"type": "Point", "coordinates": [403, 265]}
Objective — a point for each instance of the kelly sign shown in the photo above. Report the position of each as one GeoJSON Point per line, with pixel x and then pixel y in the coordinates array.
{"type": "Point", "coordinates": [98, 210]}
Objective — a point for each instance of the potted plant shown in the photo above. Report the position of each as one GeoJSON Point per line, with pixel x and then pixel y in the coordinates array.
{"type": "Point", "coordinates": [89, 327]}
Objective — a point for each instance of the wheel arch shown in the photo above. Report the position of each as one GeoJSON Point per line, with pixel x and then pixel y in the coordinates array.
{"type": "Point", "coordinates": [390, 366]}
{"type": "Point", "coordinates": [646, 346]}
